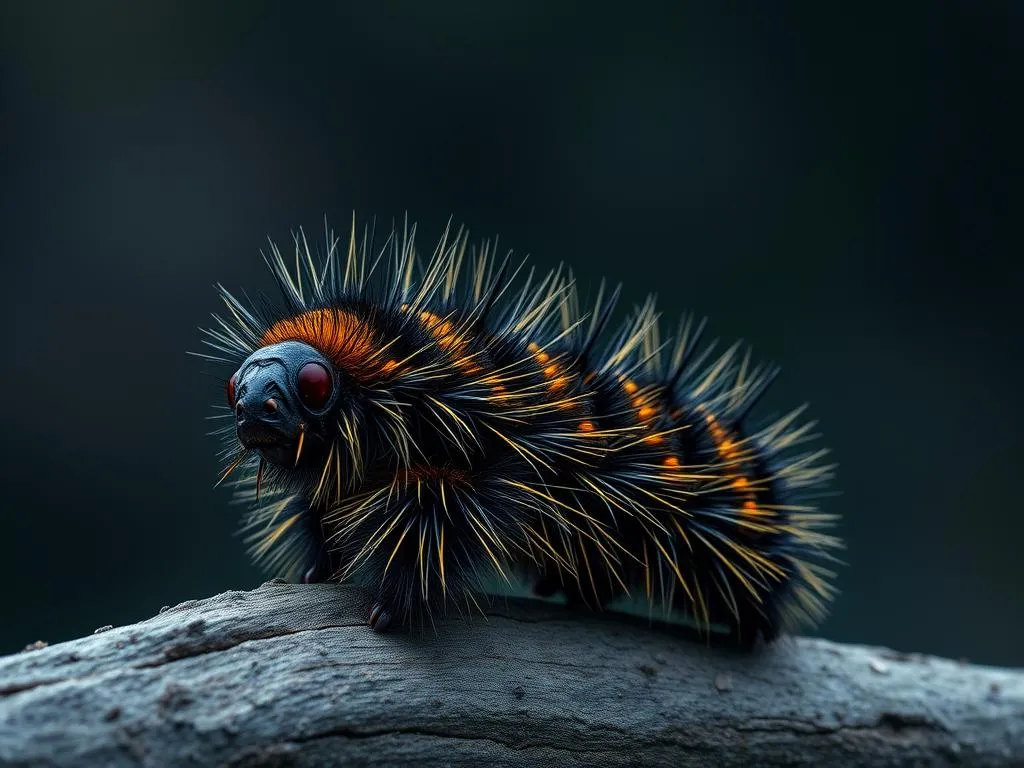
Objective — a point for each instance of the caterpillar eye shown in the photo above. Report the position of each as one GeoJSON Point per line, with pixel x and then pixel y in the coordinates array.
{"type": "Point", "coordinates": [232, 383]}
{"type": "Point", "coordinates": [315, 386]}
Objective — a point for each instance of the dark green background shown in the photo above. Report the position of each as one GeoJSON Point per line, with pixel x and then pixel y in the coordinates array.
{"type": "Point", "coordinates": [841, 188]}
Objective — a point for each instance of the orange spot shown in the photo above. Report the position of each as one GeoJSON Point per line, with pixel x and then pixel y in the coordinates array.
{"type": "Point", "coordinates": [443, 331]}
{"type": "Point", "coordinates": [630, 387]}
{"type": "Point", "coordinates": [750, 508]}
{"type": "Point", "coordinates": [646, 412]}
{"type": "Point", "coordinates": [740, 483]}
{"type": "Point", "coordinates": [338, 335]}
{"type": "Point", "coordinates": [586, 426]}
{"type": "Point", "coordinates": [543, 357]}
{"type": "Point", "coordinates": [654, 439]}
{"type": "Point", "coordinates": [726, 447]}
{"type": "Point", "coordinates": [671, 461]}
{"type": "Point", "coordinates": [498, 389]}
{"type": "Point", "coordinates": [532, 347]}
{"type": "Point", "coordinates": [389, 366]}
{"type": "Point", "coordinates": [558, 383]}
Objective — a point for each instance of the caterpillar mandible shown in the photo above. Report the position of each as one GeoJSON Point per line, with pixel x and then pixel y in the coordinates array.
{"type": "Point", "coordinates": [423, 426]}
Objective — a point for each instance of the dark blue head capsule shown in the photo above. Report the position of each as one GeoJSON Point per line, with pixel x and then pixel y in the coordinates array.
{"type": "Point", "coordinates": [281, 395]}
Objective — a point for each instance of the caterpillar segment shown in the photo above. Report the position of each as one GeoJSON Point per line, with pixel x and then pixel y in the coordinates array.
{"type": "Point", "coordinates": [425, 427]}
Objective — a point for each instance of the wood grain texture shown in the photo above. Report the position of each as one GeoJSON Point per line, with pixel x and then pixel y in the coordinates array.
{"type": "Point", "coordinates": [291, 675]}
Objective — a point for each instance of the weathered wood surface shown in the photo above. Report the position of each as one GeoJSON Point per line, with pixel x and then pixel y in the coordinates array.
{"type": "Point", "coordinates": [291, 675]}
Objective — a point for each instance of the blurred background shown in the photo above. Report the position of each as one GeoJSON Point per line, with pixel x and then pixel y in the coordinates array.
{"type": "Point", "coordinates": [839, 187]}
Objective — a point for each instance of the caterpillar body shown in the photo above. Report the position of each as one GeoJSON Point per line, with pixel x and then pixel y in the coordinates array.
{"type": "Point", "coordinates": [426, 426]}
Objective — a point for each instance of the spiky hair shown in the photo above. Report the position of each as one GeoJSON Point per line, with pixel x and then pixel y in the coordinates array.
{"type": "Point", "coordinates": [492, 429]}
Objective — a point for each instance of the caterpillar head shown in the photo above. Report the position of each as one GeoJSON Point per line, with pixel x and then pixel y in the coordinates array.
{"type": "Point", "coordinates": [283, 396]}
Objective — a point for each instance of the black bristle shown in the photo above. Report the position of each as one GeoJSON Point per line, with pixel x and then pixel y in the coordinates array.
{"type": "Point", "coordinates": [471, 432]}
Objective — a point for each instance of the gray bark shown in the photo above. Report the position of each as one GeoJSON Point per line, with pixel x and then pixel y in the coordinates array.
{"type": "Point", "coordinates": [291, 675]}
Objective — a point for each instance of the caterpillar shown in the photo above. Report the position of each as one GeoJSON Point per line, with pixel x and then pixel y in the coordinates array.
{"type": "Point", "coordinates": [426, 426]}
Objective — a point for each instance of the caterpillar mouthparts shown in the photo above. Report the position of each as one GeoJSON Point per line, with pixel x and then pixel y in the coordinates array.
{"type": "Point", "coordinates": [424, 427]}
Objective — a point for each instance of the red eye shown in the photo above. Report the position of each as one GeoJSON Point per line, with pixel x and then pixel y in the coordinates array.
{"type": "Point", "coordinates": [232, 382]}
{"type": "Point", "coordinates": [314, 385]}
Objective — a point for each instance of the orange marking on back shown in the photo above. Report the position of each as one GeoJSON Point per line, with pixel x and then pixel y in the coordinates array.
{"type": "Point", "coordinates": [558, 383]}
{"type": "Point", "coordinates": [586, 426]}
{"type": "Point", "coordinates": [750, 508]}
{"type": "Point", "coordinates": [630, 387]}
{"type": "Point", "coordinates": [671, 461]}
{"type": "Point", "coordinates": [552, 371]}
{"type": "Point", "coordinates": [728, 449]}
{"type": "Point", "coordinates": [337, 334]}
{"type": "Point", "coordinates": [443, 332]}
{"type": "Point", "coordinates": [497, 387]}
{"type": "Point", "coordinates": [646, 412]}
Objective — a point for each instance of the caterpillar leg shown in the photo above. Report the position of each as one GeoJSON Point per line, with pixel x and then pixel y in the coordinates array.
{"type": "Point", "coordinates": [380, 617]}
{"type": "Point", "coordinates": [287, 537]}
{"type": "Point", "coordinates": [547, 586]}
{"type": "Point", "coordinates": [317, 567]}
{"type": "Point", "coordinates": [317, 573]}
{"type": "Point", "coordinates": [423, 542]}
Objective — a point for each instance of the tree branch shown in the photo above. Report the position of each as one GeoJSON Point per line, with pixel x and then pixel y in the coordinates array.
{"type": "Point", "coordinates": [291, 675]}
